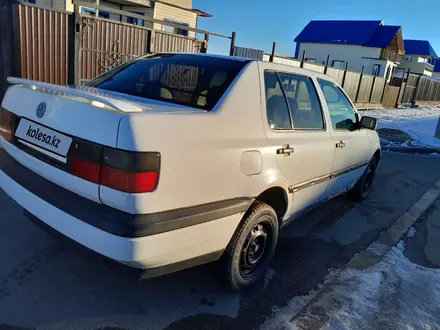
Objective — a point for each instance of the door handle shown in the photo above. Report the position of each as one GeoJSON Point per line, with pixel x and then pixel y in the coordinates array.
{"type": "Point", "coordinates": [340, 144]}
{"type": "Point", "coordinates": [285, 150]}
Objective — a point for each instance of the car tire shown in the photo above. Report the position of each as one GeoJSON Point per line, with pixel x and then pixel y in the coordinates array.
{"type": "Point", "coordinates": [364, 185]}
{"type": "Point", "coordinates": [250, 251]}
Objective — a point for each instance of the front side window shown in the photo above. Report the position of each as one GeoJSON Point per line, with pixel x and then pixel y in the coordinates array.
{"type": "Point", "coordinates": [190, 80]}
{"type": "Point", "coordinates": [341, 111]}
{"type": "Point", "coordinates": [304, 106]}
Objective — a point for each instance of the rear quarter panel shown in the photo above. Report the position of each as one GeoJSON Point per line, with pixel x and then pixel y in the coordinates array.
{"type": "Point", "coordinates": [201, 152]}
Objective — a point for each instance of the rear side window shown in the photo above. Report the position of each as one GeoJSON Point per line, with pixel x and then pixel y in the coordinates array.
{"type": "Point", "coordinates": [303, 101]}
{"type": "Point", "coordinates": [195, 81]}
{"type": "Point", "coordinates": [276, 105]}
{"type": "Point", "coordinates": [292, 102]}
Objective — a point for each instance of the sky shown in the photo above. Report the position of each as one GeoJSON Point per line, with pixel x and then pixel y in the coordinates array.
{"type": "Point", "coordinates": [259, 23]}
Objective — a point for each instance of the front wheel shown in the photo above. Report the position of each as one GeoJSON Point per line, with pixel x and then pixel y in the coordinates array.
{"type": "Point", "coordinates": [251, 249]}
{"type": "Point", "coordinates": [363, 187]}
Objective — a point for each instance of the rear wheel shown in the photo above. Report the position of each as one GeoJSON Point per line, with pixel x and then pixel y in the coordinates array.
{"type": "Point", "coordinates": [251, 249]}
{"type": "Point", "coordinates": [363, 187]}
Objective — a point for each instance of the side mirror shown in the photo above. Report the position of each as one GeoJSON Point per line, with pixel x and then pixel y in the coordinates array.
{"type": "Point", "coordinates": [368, 122]}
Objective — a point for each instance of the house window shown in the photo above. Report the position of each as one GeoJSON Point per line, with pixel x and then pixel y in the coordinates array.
{"type": "Point", "coordinates": [387, 77]}
{"type": "Point", "coordinates": [310, 60]}
{"type": "Point", "coordinates": [135, 21]}
{"type": "Point", "coordinates": [376, 70]}
{"type": "Point", "coordinates": [32, 1]}
{"type": "Point", "coordinates": [338, 64]}
{"type": "Point", "coordinates": [421, 60]}
{"type": "Point", "coordinates": [175, 30]}
{"type": "Point", "coordinates": [92, 13]}
{"type": "Point", "coordinates": [408, 58]}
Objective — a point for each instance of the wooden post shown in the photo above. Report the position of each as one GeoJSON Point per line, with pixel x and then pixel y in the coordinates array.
{"type": "Point", "coordinates": [359, 85]}
{"type": "Point", "coordinates": [231, 50]}
{"type": "Point", "coordinates": [272, 55]}
{"type": "Point", "coordinates": [403, 79]}
{"type": "Point", "coordinates": [206, 42]}
{"type": "Point", "coordinates": [303, 59]}
{"type": "Point", "coordinates": [10, 51]}
{"type": "Point", "coordinates": [77, 45]}
{"type": "Point", "coordinates": [326, 64]}
{"type": "Point", "coordinates": [372, 89]}
{"type": "Point", "coordinates": [345, 75]}
{"type": "Point", "coordinates": [383, 91]}
{"type": "Point", "coordinates": [71, 54]}
{"type": "Point", "coordinates": [413, 100]}
{"type": "Point", "coordinates": [400, 89]}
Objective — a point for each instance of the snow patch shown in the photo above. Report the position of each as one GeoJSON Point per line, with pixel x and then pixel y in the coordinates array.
{"type": "Point", "coordinates": [269, 274]}
{"type": "Point", "coordinates": [419, 123]}
{"type": "Point", "coordinates": [393, 294]}
{"type": "Point", "coordinates": [411, 232]}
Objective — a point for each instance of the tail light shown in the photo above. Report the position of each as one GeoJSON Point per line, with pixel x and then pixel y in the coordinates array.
{"type": "Point", "coordinates": [133, 172]}
{"type": "Point", "coordinates": [7, 124]}
{"type": "Point", "coordinates": [127, 171]}
{"type": "Point", "coordinates": [85, 160]}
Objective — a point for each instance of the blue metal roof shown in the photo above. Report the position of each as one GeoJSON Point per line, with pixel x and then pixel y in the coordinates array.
{"type": "Point", "coordinates": [361, 33]}
{"type": "Point", "coordinates": [419, 47]}
{"type": "Point", "coordinates": [383, 36]}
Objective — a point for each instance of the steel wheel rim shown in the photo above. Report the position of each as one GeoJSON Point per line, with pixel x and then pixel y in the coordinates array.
{"type": "Point", "coordinates": [254, 249]}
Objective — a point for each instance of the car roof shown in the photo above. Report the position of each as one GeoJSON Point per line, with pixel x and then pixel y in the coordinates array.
{"type": "Point", "coordinates": [270, 65]}
{"type": "Point", "coordinates": [226, 57]}
{"type": "Point", "coordinates": [294, 69]}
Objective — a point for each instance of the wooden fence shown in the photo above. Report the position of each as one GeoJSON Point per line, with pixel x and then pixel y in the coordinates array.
{"type": "Point", "coordinates": [365, 88]}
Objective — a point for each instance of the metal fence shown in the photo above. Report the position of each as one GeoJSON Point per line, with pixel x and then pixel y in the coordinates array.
{"type": "Point", "coordinates": [167, 42]}
{"type": "Point", "coordinates": [68, 48]}
{"type": "Point", "coordinates": [43, 40]}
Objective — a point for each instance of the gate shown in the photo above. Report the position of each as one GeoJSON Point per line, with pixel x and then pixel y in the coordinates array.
{"type": "Point", "coordinates": [105, 44]}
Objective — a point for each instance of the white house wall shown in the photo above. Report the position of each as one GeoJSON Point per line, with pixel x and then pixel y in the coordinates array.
{"type": "Point", "coordinates": [414, 65]}
{"type": "Point", "coordinates": [163, 11]}
{"type": "Point", "coordinates": [181, 3]}
{"type": "Point", "coordinates": [357, 56]}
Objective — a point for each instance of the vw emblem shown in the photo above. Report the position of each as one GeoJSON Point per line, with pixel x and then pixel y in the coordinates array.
{"type": "Point", "coordinates": [41, 109]}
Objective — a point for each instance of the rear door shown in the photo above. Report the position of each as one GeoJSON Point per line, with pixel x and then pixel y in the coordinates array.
{"type": "Point", "coordinates": [351, 146]}
{"type": "Point", "coordinates": [296, 130]}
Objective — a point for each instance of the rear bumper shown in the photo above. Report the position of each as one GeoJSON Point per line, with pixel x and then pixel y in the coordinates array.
{"type": "Point", "coordinates": [197, 234]}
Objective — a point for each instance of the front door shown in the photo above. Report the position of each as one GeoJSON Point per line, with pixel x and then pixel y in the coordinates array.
{"type": "Point", "coordinates": [296, 130]}
{"type": "Point", "coordinates": [351, 146]}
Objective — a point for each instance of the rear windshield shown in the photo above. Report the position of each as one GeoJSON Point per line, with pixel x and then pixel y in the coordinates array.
{"type": "Point", "coordinates": [195, 81]}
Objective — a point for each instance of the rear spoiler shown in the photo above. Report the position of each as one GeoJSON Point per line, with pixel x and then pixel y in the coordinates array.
{"type": "Point", "coordinates": [83, 94]}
